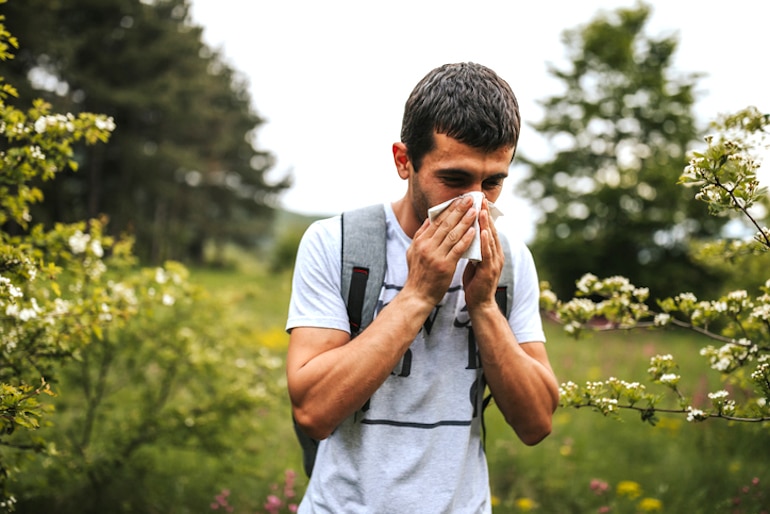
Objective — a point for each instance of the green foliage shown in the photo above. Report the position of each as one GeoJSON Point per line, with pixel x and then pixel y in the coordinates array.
{"type": "Point", "coordinates": [687, 467]}
{"type": "Point", "coordinates": [181, 377]}
{"type": "Point", "coordinates": [285, 250]}
{"type": "Point", "coordinates": [725, 176]}
{"type": "Point", "coordinates": [101, 361]}
{"type": "Point", "coordinates": [620, 131]}
{"type": "Point", "coordinates": [42, 323]}
{"type": "Point", "coordinates": [182, 170]}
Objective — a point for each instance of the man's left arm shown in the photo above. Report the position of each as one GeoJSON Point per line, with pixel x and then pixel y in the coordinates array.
{"type": "Point", "coordinates": [519, 374]}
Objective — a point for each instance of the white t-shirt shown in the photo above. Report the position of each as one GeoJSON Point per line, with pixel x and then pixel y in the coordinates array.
{"type": "Point", "coordinates": [416, 446]}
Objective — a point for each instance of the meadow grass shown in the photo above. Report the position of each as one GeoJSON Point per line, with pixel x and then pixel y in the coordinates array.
{"type": "Point", "coordinates": [688, 467]}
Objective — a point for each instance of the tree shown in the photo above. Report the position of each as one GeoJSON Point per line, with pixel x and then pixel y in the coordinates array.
{"type": "Point", "coordinates": [739, 321]}
{"type": "Point", "coordinates": [120, 350]}
{"type": "Point", "coordinates": [621, 130]}
{"type": "Point", "coordinates": [182, 169]}
{"type": "Point", "coordinates": [39, 327]}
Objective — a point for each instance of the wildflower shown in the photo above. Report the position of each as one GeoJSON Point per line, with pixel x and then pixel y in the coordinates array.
{"type": "Point", "coordinates": [586, 283]}
{"type": "Point", "coordinates": [762, 312]}
{"type": "Point", "coordinates": [41, 124]}
{"type": "Point", "coordinates": [599, 487]}
{"type": "Point", "coordinates": [78, 242]}
{"type": "Point", "coordinates": [36, 153]}
{"type": "Point", "coordinates": [548, 299]}
{"type": "Point", "coordinates": [606, 405]}
{"type": "Point", "coordinates": [96, 248]}
{"type": "Point", "coordinates": [106, 314]}
{"type": "Point", "coordinates": [629, 488]}
{"type": "Point", "coordinates": [160, 276]}
{"type": "Point", "coordinates": [27, 314]}
{"type": "Point", "coordinates": [273, 504]}
{"type": "Point", "coordinates": [694, 414]}
{"type": "Point", "coordinates": [525, 504]}
{"type": "Point", "coordinates": [650, 505]}
{"type": "Point", "coordinates": [105, 123]}
{"type": "Point", "coordinates": [669, 379]}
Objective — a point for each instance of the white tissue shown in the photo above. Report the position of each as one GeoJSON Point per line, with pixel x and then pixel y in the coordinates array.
{"type": "Point", "coordinates": [473, 253]}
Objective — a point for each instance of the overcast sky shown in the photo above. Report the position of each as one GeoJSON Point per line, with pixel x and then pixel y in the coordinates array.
{"type": "Point", "coordinates": [331, 77]}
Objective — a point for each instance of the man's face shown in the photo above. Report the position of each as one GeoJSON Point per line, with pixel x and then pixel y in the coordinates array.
{"type": "Point", "coordinates": [453, 168]}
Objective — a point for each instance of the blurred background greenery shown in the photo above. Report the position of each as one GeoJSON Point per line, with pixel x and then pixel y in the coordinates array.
{"type": "Point", "coordinates": [178, 406]}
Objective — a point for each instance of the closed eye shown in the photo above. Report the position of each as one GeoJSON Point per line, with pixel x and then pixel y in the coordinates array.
{"type": "Point", "coordinates": [493, 183]}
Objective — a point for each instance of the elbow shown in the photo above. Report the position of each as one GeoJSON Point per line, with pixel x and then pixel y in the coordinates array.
{"type": "Point", "coordinates": [535, 435]}
{"type": "Point", "coordinates": [311, 424]}
{"type": "Point", "coordinates": [537, 428]}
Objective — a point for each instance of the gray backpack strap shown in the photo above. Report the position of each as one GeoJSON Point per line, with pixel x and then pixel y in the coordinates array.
{"type": "Point", "coordinates": [504, 299]}
{"type": "Point", "coordinates": [364, 234]}
{"type": "Point", "coordinates": [504, 294]}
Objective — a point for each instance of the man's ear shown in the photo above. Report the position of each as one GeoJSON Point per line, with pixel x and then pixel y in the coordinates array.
{"type": "Point", "coordinates": [401, 160]}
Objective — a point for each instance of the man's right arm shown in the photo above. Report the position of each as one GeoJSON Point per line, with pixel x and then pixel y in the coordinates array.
{"type": "Point", "coordinates": [330, 377]}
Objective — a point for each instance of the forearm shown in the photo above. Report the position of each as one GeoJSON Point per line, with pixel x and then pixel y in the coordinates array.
{"type": "Point", "coordinates": [522, 382]}
{"type": "Point", "coordinates": [328, 386]}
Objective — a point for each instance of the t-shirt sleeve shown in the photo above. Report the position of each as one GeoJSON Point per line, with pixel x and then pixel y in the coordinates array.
{"type": "Point", "coordinates": [315, 297]}
{"type": "Point", "coordinates": [525, 320]}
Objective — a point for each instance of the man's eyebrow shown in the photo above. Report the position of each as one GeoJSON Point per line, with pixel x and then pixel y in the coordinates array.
{"type": "Point", "coordinates": [499, 176]}
{"type": "Point", "coordinates": [460, 172]}
{"type": "Point", "coordinates": [454, 171]}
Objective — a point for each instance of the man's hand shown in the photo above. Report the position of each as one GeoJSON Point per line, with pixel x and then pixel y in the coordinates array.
{"type": "Point", "coordinates": [437, 247]}
{"type": "Point", "coordinates": [481, 278]}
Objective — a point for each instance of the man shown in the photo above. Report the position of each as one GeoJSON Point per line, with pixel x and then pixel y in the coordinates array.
{"type": "Point", "coordinates": [395, 441]}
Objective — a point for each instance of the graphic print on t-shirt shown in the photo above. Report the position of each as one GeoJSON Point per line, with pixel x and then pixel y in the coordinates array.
{"type": "Point", "coordinates": [437, 382]}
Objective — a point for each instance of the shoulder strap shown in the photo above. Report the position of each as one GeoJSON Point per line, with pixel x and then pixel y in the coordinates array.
{"type": "Point", "coordinates": [364, 233]}
{"type": "Point", "coordinates": [504, 293]}
{"type": "Point", "coordinates": [504, 299]}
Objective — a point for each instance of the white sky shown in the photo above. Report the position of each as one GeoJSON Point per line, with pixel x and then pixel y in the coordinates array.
{"type": "Point", "coordinates": [331, 77]}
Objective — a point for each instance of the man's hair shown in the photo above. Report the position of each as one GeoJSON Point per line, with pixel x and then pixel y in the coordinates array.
{"type": "Point", "coordinates": [465, 101]}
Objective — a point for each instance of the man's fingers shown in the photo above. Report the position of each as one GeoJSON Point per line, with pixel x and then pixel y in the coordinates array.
{"type": "Point", "coordinates": [452, 225]}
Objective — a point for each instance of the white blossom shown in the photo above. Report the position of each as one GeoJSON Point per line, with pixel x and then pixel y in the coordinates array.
{"type": "Point", "coordinates": [669, 379]}
{"type": "Point", "coordinates": [106, 314]}
{"type": "Point", "coordinates": [762, 312]}
{"type": "Point", "coordinates": [96, 248]}
{"type": "Point", "coordinates": [27, 314]}
{"type": "Point", "coordinates": [36, 152]}
{"type": "Point", "coordinates": [79, 241]}
{"type": "Point", "coordinates": [585, 282]}
{"type": "Point", "coordinates": [40, 125]}
{"type": "Point", "coordinates": [718, 395]}
{"type": "Point", "coordinates": [160, 276]}
{"type": "Point", "coordinates": [107, 123]}
{"type": "Point", "coordinates": [694, 414]}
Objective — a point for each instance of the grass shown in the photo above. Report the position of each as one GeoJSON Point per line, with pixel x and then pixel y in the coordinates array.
{"type": "Point", "coordinates": [693, 468]}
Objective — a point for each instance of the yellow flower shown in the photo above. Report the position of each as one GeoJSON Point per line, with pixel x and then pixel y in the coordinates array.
{"type": "Point", "coordinates": [650, 505]}
{"type": "Point", "coordinates": [495, 500]}
{"type": "Point", "coordinates": [629, 488]}
{"type": "Point", "coordinates": [525, 504]}
{"type": "Point", "coordinates": [274, 338]}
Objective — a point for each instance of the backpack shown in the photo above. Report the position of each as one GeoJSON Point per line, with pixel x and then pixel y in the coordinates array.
{"type": "Point", "coordinates": [364, 234]}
